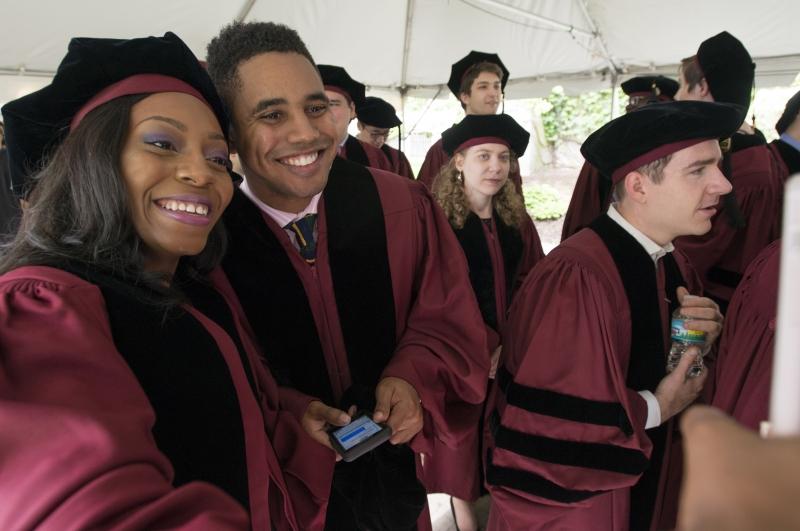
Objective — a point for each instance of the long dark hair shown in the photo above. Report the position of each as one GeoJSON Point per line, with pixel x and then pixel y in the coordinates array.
{"type": "Point", "coordinates": [78, 212]}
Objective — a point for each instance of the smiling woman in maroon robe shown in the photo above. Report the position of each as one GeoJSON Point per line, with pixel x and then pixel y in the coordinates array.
{"type": "Point", "coordinates": [122, 404]}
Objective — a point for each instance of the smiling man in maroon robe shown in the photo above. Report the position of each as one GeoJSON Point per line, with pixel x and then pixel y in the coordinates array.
{"type": "Point", "coordinates": [749, 218]}
{"type": "Point", "coordinates": [351, 278]}
{"type": "Point", "coordinates": [592, 193]}
{"type": "Point", "coordinates": [579, 417]}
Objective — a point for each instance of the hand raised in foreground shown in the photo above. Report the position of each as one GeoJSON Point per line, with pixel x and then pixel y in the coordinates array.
{"type": "Point", "coordinates": [398, 405]}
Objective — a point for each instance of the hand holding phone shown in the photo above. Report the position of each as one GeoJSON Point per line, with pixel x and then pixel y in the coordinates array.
{"type": "Point", "coordinates": [359, 437]}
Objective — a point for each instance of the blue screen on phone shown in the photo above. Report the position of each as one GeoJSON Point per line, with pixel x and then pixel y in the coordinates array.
{"type": "Point", "coordinates": [357, 431]}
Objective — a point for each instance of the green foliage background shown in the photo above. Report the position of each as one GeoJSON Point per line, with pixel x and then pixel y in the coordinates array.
{"type": "Point", "coordinates": [575, 117]}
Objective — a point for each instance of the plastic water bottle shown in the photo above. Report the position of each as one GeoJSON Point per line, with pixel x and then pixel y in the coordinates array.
{"type": "Point", "coordinates": [682, 339]}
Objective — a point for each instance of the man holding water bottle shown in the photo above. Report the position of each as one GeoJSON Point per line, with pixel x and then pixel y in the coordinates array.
{"type": "Point", "coordinates": [580, 429]}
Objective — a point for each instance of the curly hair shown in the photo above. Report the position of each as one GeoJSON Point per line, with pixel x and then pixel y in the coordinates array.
{"type": "Point", "coordinates": [448, 189]}
{"type": "Point", "coordinates": [78, 211]}
{"type": "Point", "coordinates": [240, 41]}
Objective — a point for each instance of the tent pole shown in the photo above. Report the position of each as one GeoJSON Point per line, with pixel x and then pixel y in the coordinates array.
{"type": "Point", "coordinates": [244, 11]}
{"type": "Point", "coordinates": [613, 111]}
{"type": "Point", "coordinates": [598, 36]}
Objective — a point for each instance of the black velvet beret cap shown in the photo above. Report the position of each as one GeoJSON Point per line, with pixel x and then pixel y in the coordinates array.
{"type": "Point", "coordinates": [789, 114]}
{"type": "Point", "coordinates": [657, 130]}
{"type": "Point", "coordinates": [37, 123]}
{"type": "Point", "coordinates": [462, 66]}
{"type": "Point", "coordinates": [486, 129]}
{"type": "Point", "coordinates": [645, 84]}
{"type": "Point", "coordinates": [378, 112]}
{"type": "Point", "coordinates": [336, 77]}
{"type": "Point", "coordinates": [728, 68]}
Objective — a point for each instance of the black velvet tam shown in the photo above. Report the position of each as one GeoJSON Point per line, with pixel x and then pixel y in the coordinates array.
{"type": "Point", "coordinates": [483, 129]}
{"type": "Point", "coordinates": [337, 77]}
{"type": "Point", "coordinates": [378, 112]}
{"type": "Point", "coordinates": [657, 130]}
{"type": "Point", "coordinates": [655, 85]}
{"type": "Point", "coordinates": [37, 123]}
{"type": "Point", "coordinates": [460, 68]}
{"type": "Point", "coordinates": [789, 114]}
{"type": "Point", "coordinates": [728, 68]}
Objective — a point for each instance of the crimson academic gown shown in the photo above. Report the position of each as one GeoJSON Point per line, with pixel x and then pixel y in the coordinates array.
{"type": "Point", "coordinates": [567, 439]}
{"type": "Point", "coordinates": [338, 308]}
{"type": "Point", "coordinates": [785, 157]}
{"type": "Point", "coordinates": [744, 362]}
{"type": "Point", "coordinates": [590, 198]}
{"type": "Point", "coordinates": [741, 228]}
{"type": "Point", "coordinates": [437, 157]}
{"type": "Point", "coordinates": [499, 258]}
{"type": "Point", "coordinates": [365, 154]}
{"type": "Point", "coordinates": [398, 161]}
{"type": "Point", "coordinates": [95, 432]}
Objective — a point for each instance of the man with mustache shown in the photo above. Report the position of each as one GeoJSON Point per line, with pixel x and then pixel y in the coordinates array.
{"type": "Point", "coordinates": [477, 80]}
{"type": "Point", "coordinates": [350, 277]}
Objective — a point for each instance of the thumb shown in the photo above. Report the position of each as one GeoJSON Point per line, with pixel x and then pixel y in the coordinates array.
{"type": "Point", "coordinates": [383, 397]}
{"type": "Point", "coordinates": [681, 292]}
{"type": "Point", "coordinates": [686, 361]}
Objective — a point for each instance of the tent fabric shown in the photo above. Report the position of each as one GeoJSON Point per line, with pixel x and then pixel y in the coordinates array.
{"type": "Point", "coordinates": [408, 45]}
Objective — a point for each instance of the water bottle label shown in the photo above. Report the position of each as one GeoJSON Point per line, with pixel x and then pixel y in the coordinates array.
{"type": "Point", "coordinates": [685, 335]}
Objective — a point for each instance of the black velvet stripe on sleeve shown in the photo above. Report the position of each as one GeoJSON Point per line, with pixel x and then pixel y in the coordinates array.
{"type": "Point", "coordinates": [597, 456]}
{"type": "Point", "coordinates": [533, 483]}
{"type": "Point", "coordinates": [563, 406]}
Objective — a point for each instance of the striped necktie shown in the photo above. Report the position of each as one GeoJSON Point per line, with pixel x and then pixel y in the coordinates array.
{"type": "Point", "coordinates": [303, 230]}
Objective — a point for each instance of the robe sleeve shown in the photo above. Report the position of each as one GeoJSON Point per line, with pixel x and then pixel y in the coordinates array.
{"type": "Point", "coordinates": [434, 160]}
{"type": "Point", "coordinates": [532, 251]}
{"type": "Point", "coordinates": [564, 426]}
{"type": "Point", "coordinates": [585, 205]}
{"type": "Point", "coordinates": [442, 350]}
{"type": "Point", "coordinates": [77, 447]}
{"type": "Point", "coordinates": [744, 363]}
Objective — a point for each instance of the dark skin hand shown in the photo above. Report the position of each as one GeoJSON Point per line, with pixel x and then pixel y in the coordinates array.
{"type": "Point", "coordinates": [398, 405]}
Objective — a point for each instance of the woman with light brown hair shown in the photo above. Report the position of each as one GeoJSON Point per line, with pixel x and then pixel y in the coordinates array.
{"type": "Point", "coordinates": [499, 239]}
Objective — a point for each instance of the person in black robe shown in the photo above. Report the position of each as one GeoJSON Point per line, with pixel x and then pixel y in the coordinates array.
{"type": "Point", "coordinates": [786, 149]}
{"type": "Point", "coordinates": [376, 117]}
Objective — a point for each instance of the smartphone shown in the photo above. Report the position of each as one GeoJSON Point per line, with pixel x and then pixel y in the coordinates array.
{"type": "Point", "coordinates": [358, 437]}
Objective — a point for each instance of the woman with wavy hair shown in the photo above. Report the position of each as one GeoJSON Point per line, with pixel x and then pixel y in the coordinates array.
{"type": "Point", "coordinates": [131, 396]}
{"type": "Point", "coordinates": [498, 237]}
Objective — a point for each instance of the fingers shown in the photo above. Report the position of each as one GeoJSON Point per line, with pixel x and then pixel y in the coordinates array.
{"type": "Point", "coordinates": [681, 292]}
{"type": "Point", "coordinates": [383, 401]}
{"type": "Point", "coordinates": [321, 412]}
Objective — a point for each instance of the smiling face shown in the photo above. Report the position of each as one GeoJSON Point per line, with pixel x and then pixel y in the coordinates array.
{"type": "Point", "coordinates": [684, 202]}
{"type": "Point", "coordinates": [283, 130]}
{"type": "Point", "coordinates": [484, 95]}
{"type": "Point", "coordinates": [485, 168]}
{"type": "Point", "coordinates": [174, 164]}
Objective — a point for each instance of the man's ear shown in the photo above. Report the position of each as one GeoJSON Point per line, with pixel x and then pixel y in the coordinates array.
{"type": "Point", "coordinates": [636, 186]}
{"type": "Point", "coordinates": [463, 98]}
{"type": "Point", "coordinates": [352, 110]}
{"type": "Point", "coordinates": [704, 89]}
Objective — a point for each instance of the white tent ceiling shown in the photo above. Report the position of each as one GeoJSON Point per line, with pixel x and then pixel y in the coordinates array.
{"type": "Point", "coordinates": [410, 44]}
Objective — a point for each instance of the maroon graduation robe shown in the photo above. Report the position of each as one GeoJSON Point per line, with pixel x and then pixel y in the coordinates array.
{"type": "Point", "coordinates": [786, 159]}
{"type": "Point", "coordinates": [459, 468]}
{"type": "Point", "coordinates": [82, 453]}
{"type": "Point", "coordinates": [722, 254]}
{"type": "Point", "coordinates": [566, 353]}
{"type": "Point", "coordinates": [744, 362]}
{"type": "Point", "coordinates": [590, 198]}
{"type": "Point", "coordinates": [437, 157]}
{"type": "Point", "coordinates": [365, 154]}
{"type": "Point", "coordinates": [440, 343]}
{"type": "Point", "coordinates": [398, 162]}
